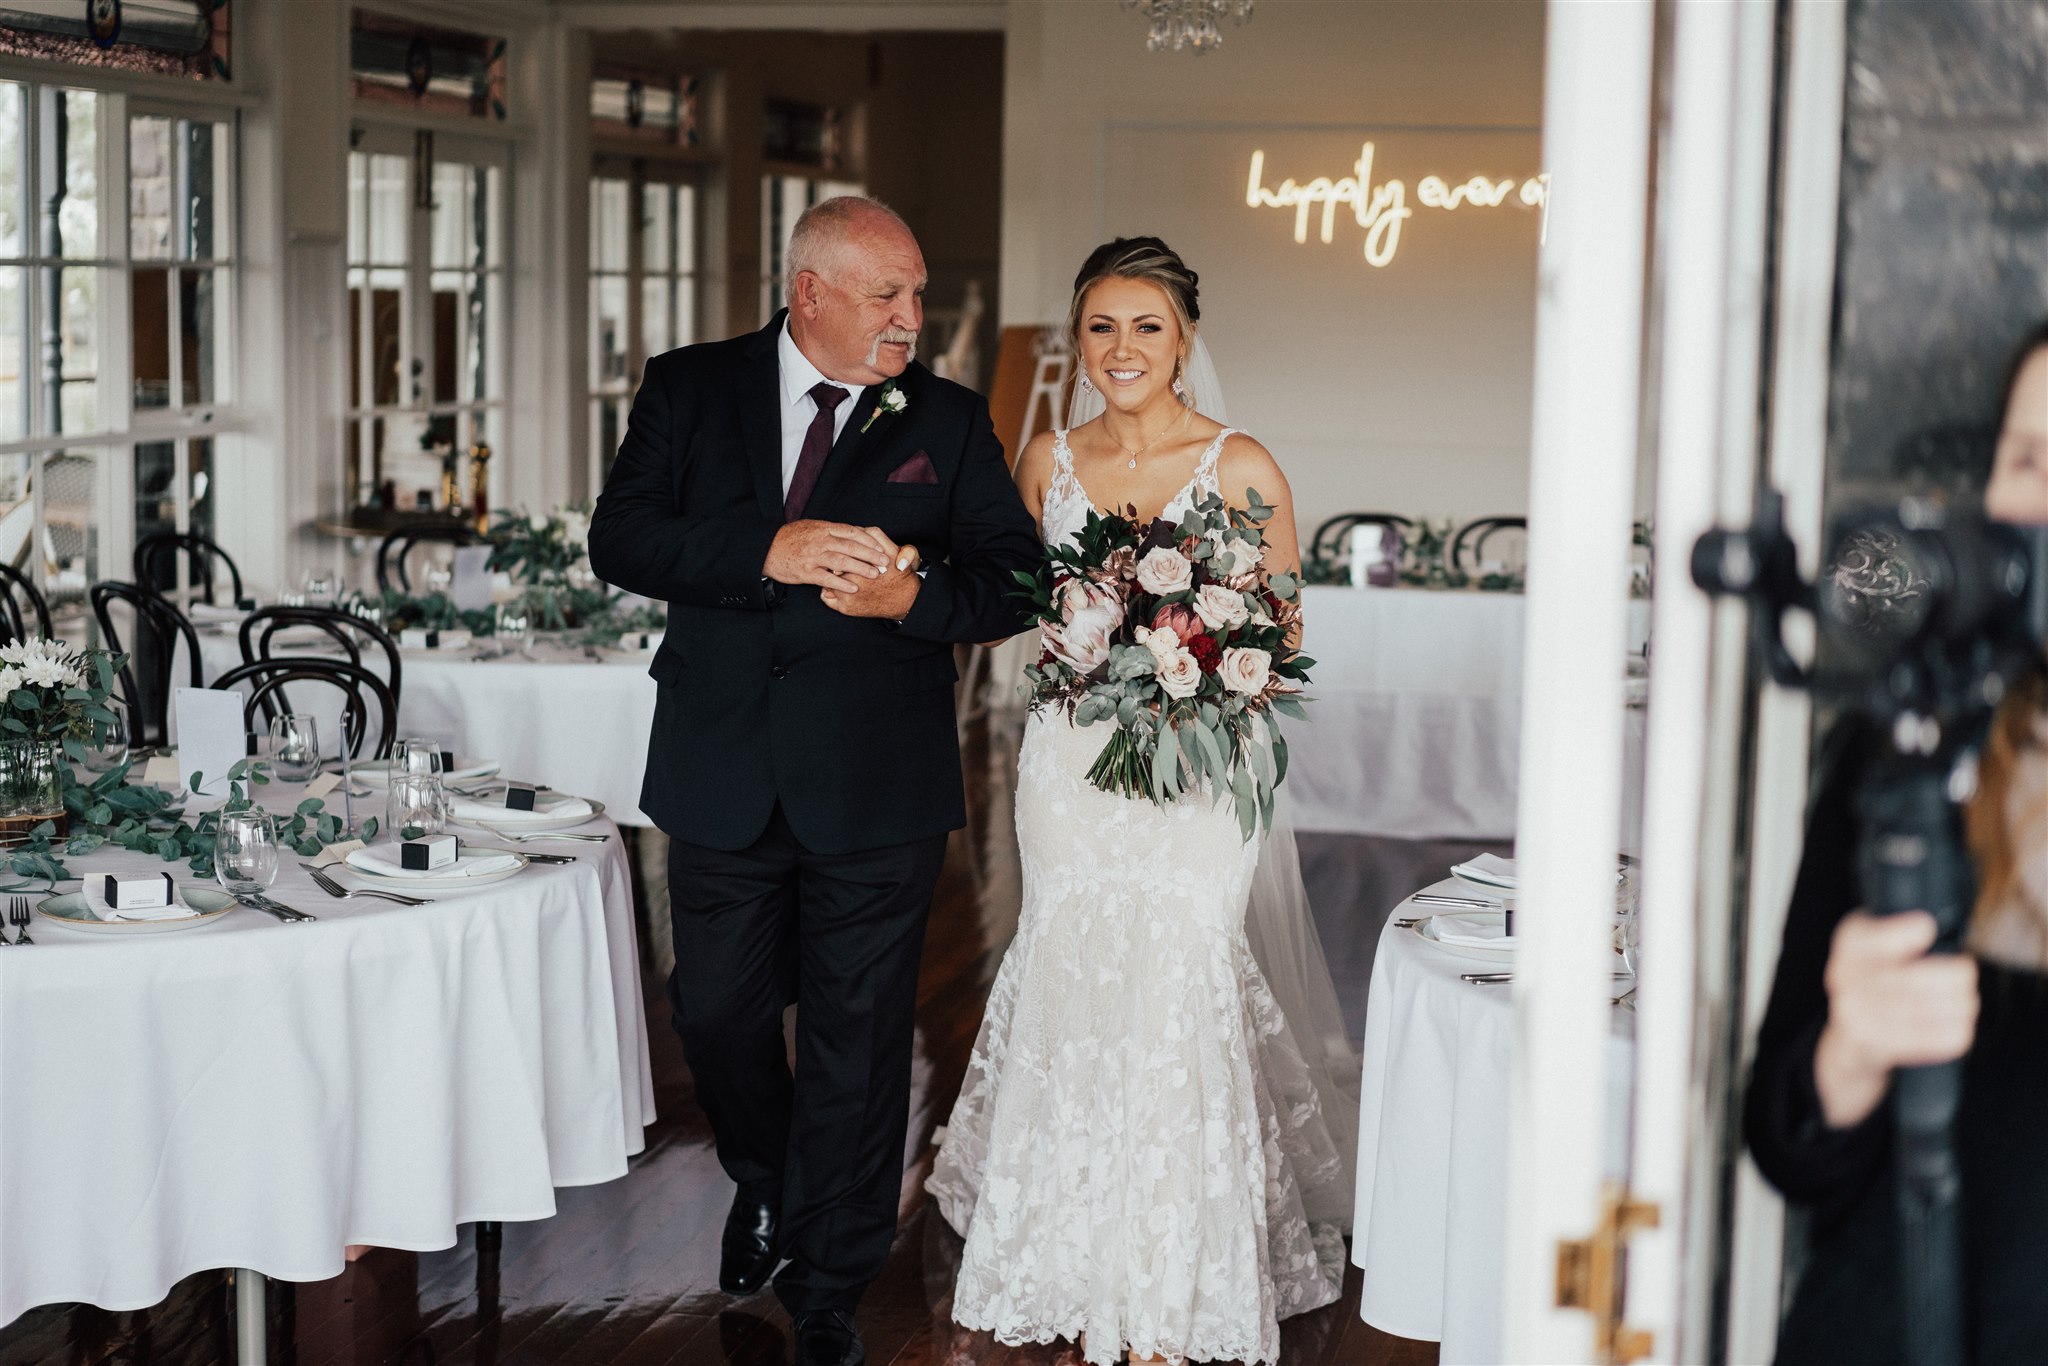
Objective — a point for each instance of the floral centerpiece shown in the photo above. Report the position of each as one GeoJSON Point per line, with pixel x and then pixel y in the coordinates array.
{"type": "Point", "coordinates": [544, 552]}
{"type": "Point", "coordinates": [1181, 640]}
{"type": "Point", "coordinates": [52, 698]}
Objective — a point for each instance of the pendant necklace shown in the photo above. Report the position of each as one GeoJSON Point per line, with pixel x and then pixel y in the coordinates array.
{"type": "Point", "coordinates": [1134, 454]}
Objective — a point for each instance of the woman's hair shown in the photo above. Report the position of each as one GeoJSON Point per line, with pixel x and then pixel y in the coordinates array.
{"type": "Point", "coordinates": [1994, 830]}
{"type": "Point", "coordinates": [1138, 258]}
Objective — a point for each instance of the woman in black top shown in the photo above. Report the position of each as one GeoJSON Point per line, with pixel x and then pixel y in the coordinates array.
{"type": "Point", "coordinates": [1855, 997]}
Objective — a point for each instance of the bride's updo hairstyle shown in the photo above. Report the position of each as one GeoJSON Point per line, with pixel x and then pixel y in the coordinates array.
{"type": "Point", "coordinates": [1138, 258]}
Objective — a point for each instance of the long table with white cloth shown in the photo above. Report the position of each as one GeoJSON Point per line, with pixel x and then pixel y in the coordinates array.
{"type": "Point", "coordinates": [246, 1093]}
{"type": "Point", "coordinates": [1433, 1139]}
{"type": "Point", "coordinates": [1415, 722]}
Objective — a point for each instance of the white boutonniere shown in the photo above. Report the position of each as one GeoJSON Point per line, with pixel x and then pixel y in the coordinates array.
{"type": "Point", "coordinates": [890, 400]}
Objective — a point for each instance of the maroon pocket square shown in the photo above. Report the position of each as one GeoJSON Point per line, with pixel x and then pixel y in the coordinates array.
{"type": "Point", "coordinates": [916, 470]}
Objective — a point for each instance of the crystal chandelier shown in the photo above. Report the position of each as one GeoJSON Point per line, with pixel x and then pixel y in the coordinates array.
{"type": "Point", "coordinates": [1179, 24]}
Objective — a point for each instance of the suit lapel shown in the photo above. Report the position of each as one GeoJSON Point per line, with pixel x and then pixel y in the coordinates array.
{"type": "Point", "coordinates": [854, 444]}
{"type": "Point", "coordinates": [760, 400]}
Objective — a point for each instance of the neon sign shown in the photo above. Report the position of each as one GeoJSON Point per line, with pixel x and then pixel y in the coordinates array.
{"type": "Point", "coordinates": [1381, 208]}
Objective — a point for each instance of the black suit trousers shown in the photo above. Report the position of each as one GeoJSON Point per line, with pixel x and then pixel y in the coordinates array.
{"type": "Point", "coordinates": [841, 935]}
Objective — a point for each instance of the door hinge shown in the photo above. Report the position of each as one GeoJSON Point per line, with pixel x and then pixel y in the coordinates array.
{"type": "Point", "coordinates": [1592, 1274]}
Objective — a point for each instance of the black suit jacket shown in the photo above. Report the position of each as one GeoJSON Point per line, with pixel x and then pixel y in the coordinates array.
{"type": "Point", "coordinates": [766, 694]}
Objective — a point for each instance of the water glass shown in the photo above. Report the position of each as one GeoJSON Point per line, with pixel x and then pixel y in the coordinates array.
{"type": "Point", "coordinates": [417, 758]}
{"type": "Point", "coordinates": [416, 807]}
{"type": "Point", "coordinates": [107, 749]}
{"type": "Point", "coordinates": [321, 586]}
{"type": "Point", "coordinates": [295, 747]}
{"type": "Point", "coordinates": [245, 851]}
{"type": "Point", "coordinates": [514, 627]}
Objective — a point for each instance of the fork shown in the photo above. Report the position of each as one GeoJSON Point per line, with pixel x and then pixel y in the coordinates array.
{"type": "Point", "coordinates": [335, 889]}
{"type": "Point", "coordinates": [528, 839]}
{"type": "Point", "coordinates": [17, 916]}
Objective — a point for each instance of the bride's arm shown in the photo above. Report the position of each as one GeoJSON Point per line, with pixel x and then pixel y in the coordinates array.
{"type": "Point", "coordinates": [1245, 464]}
{"type": "Point", "coordinates": [1033, 475]}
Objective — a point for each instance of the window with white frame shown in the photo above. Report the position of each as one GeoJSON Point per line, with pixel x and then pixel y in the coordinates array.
{"type": "Point", "coordinates": [643, 289]}
{"type": "Point", "coordinates": [784, 198]}
{"type": "Point", "coordinates": [116, 273]}
{"type": "Point", "coordinates": [426, 282]}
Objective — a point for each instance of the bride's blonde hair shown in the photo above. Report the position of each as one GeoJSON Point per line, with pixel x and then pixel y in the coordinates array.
{"type": "Point", "coordinates": [1138, 258]}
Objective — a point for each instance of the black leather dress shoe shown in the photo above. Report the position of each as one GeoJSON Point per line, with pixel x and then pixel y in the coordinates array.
{"type": "Point", "coordinates": [748, 1252]}
{"type": "Point", "coordinates": [826, 1337]}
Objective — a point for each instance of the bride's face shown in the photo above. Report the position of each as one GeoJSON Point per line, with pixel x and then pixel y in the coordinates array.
{"type": "Point", "coordinates": [2018, 491]}
{"type": "Point", "coordinates": [1130, 342]}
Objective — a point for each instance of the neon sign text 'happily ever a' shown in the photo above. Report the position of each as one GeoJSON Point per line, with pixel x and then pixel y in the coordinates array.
{"type": "Point", "coordinates": [1381, 208]}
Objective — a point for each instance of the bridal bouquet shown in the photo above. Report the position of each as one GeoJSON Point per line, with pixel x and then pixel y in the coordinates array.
{"type": "Point", "coordinates": [1177, 637]}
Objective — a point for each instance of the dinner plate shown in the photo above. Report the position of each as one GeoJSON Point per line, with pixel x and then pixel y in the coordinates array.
{"type": "Point", "coordinates": [377, 772]}
{"type": "Point", "coordinates": [72, 911]}
{"type": "Point", "coordinates": [539, 825]}
{"type": "Point", "coordinates": [442, 884]}
{"type": "Point", "coordinates": [1425, 929]}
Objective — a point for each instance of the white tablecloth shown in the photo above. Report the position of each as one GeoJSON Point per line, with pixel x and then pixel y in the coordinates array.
{"type": "Point", "coordinates": [558, 717]}
{"type": "Point", "coordinates": [246, 1093]}
{"type": "Point", "coordinates": [1415, 729]}
{"type": "Point", "coordinates": [1433, 1143]}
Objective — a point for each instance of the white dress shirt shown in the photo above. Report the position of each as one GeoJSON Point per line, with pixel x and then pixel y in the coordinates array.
{"type": "Point", "coordinates": [799, 408]}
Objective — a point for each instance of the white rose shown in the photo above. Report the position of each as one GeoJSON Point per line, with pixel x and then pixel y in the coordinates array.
{"type": "Point", "coordinates": [1165, 570]}
{"type": "Point", "coordinates": [1219, 608]}
{"type": "Point", "coordinates": [576, 526]}
{"type": "Point", "coordinates": [1231, 555]}
{"type": "Point", "coordinates": [537, 522]}
{"type": "Point", "coordinates": [1245, 671]}
{"type": "Point", "coordinates": [1180, 675]}
{"type": "Point", "coordinates": [1164, 645]}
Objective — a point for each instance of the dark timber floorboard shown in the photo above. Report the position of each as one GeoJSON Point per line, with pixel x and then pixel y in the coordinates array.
{"type": "Point", "coordinates": [626, 1274]}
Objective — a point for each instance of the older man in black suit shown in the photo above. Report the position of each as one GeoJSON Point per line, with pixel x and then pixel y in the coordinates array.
{"type": "Point", "coordinates": [804, 760]}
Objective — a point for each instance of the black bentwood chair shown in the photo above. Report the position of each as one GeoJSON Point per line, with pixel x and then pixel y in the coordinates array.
{"type": "Point", "coordinates": [346, 634]}
{"type": "Point", "coordinates": [1474, 536]}
{"type": "Point", "coordinates": [1332, 541]}
{"type": "Point", "coordinates": [156, 565]}
{"type": "Point", "coordinates": [364, 697]}
{"type": "Point", "coordinates": [17, 588]}
{"type": "Point", "coordinates": [392, 571]}
{"type": "Point", "coordinates": [146, 679]}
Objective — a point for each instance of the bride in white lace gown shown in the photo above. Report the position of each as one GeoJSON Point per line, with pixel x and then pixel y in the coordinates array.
{"type": "Point", "coordinates": [1140, 1156]}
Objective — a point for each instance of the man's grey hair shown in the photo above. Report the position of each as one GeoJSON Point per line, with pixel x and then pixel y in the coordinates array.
{"type": "Point", "coordinates": [822, 230]}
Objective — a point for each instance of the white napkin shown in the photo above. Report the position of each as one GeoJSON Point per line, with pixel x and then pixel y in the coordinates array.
{"type": "Point", "coordinates": [1490, 869]}
{"type": "Point", "coordinates": [381, 860]}
{"type": "Point", "coordinates": [207, 611]}
{"type": "Point", "coordinates": [1472, 931]}
{"type": "Point", "coordinates": [470, 810]}
{"type": "Point", "coordinates": [465, 770]}
{"type": "Point", "coordinates": [95, 898]}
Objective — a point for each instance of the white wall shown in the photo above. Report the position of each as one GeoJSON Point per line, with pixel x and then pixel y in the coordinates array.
{"type": "Point", "coordinates": [1405, 388]}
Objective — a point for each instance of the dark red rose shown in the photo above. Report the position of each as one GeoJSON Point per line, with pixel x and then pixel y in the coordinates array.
{"type": "Point", "coordinates": [1207, 652]}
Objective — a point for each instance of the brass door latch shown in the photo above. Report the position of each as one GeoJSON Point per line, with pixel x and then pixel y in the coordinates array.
{"type": "Point", "coordinates": [1592, 1274]}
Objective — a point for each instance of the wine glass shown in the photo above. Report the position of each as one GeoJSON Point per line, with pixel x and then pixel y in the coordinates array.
{"type": "Point", "coordinates": [414, 809]}
{"type": "Point", "coordinates": [514, 627]}
{"type": "Point", "coordinates": [245, 851]}
{"type": "Point", "coordinates": [295, 747]}
{"type": "Point", "coordinates": [107, 748]}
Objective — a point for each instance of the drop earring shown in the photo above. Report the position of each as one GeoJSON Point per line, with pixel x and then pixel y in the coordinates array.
{"type": "Point", "coordinates": [1180, 390]}
{"type": "Point", "coordinates": [1083, 384]}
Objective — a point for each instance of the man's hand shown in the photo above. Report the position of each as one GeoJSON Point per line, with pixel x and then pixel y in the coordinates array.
{"type": "Point", "coordinates": [891, 593]}
{"type": "Point", "coordinates": [829, 555]}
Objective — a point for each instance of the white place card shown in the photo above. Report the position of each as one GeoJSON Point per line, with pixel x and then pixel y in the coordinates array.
{"type": "Point", "coordinates": [211, 737]}
{"type": "Point", "coordinates": [323, 784]}
{"type": "Point", "coordinates": [337, 852]}
{"type": "Point", "coordinates": [470, 589]}
{"type": "Point", "coordinates": [162, 769]}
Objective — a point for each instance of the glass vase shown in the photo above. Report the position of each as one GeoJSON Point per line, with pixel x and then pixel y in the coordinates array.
{"type": "Point", "coordinates": [32, 786]}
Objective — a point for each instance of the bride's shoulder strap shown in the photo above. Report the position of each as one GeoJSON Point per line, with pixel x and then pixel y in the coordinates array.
{"type": "Point", "coordinates": [1062, 453]}
{"type": "Point", "coordinates": [1207, 468]}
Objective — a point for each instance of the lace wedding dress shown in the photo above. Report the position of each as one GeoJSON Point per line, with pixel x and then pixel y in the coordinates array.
{"type": "Point", "coordinates": [1139, 1151]}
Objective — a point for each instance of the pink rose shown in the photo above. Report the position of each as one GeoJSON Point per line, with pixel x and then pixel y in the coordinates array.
{"type": "Point", "coordinates": [1165, 571]}
{"type": "Point", "coordinates": [1089, 617]}
{"type": "Point", "coordinates": [1245, 671]}
{"type": "Point", "coordinates": [1178, 618]}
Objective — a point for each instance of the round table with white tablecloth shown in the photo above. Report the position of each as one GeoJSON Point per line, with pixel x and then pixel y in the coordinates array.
{"type": "Point", "coordinates": [1414, 726]}
{"type": "Point", "coordinates": [246, 1093]}
{"type": "Point", "coordinates": [554, 715]}
{"type": "Point", "coordinates": [1433, 1141]}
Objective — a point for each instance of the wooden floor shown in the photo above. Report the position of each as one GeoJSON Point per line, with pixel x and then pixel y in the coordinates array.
{"type": "Point", "coordinates": [625, 1274]}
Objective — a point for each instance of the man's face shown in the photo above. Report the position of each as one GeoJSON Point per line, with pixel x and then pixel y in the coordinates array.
{"type": "Point", "coordinates": [858, 320]}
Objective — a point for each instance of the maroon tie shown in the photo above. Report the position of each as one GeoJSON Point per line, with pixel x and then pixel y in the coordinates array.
{"type": "Point", "coordinates": [817, 445]}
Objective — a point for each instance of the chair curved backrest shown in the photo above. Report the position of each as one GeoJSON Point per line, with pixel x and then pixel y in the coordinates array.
{"type": "Point", "coordinates": [146, 678]}
{"type": "Point", "coordinates": [391, 555]}
{"type": "Point", "coordinates": [156, 564]}
{"type": "Point", "coordinates": [15, 588]}
{"type": "Point", "coordinates": [1474, 534]}
{"type": "Point", "coordinates": [261, 627]}
{"type": "Point", "coordinates": [359, 688]}
{"type": "Point", "coordinates": [1328, 542]}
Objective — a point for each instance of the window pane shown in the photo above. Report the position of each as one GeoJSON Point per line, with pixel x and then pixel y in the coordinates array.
{"type": "Point", "coordinates": [204, 187]}
{"type": "Point", "coordinates": [655, 315]}
{"type": "Point", "coordinates": [196, 288]}
{"type": "Point", "coordinates": [387, 201]}
{"type": "Point", "coordinates": [70, 518]}
{"type": "Point", "coordinates": [656, 210]}
{"type": "Point", "coordinates": [686, 228]}
{"type": "Point", "coordinates": [608, 348]}
{"type": "Point", "coordinates": [149, 335]}
{"type": "Point", "coordinates": [150, 173]}
{"type": "Point", "coordinates": [450, 336]}
{"type": "Point", "coordinates": [78, 216]}
{"type": "Point", "coordinates": [17, 510]}
{"type": "Point", "coordinates": [609, 228]}
{"type": "Point", "coordinates": [386, 352]}
{"type": "Point", "coordinates": [686, 311]}
{"type": "Point", "coordinates": [79, 289]}
{"type": "Point", "coordinates": [358, 207]}
{"type": "Point", "coordinates": [458, 216]}
{"type": "Point", "coordinates": [10, 169]}
{"type": "Point", "coordinates": [156, 492]}
{"type": "Point", "coordinates": [201, 494]}
{"type": "Point", "coordinates": [13, 391]}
